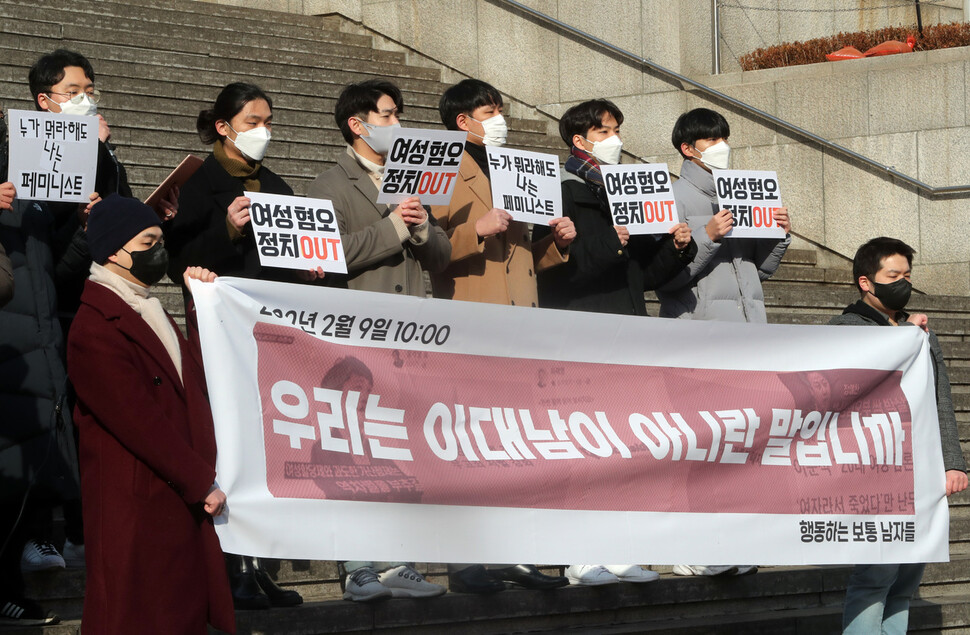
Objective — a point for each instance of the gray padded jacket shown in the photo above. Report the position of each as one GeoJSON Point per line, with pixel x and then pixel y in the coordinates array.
{"type": "Point", "coordinates": [724, 280]}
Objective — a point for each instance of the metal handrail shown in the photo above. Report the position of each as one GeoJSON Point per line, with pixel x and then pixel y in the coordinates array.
{"type": "Point", "coordinates": [891, 172]}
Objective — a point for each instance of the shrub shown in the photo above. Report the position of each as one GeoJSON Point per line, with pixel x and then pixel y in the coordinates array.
{"type": "Point", "coordinates": [938, 36]}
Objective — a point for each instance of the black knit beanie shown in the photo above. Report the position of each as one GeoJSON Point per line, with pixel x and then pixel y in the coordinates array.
{"type": "Point", "coordinates": [114, 221]}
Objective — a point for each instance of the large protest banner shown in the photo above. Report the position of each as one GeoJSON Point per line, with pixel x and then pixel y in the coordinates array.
{"type": "Point", "coordinates": [356, 425]}
{"type": "Point", "coordinates": [53, 157]}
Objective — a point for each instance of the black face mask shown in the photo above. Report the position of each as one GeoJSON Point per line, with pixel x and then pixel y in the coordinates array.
{"type": "Point", "coordinates": [894, 295]}
{"type": "Point", "coordinates": [148, 266]}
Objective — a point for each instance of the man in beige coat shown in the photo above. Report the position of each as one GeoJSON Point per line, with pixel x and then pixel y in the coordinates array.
{"type": "Point", "coordinates": [493, 258]}
{"type": "Point", "coordinates": [386, 249]}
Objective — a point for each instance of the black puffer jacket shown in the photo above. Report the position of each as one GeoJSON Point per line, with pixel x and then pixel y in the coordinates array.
{"type": "Point", "coordinates": [36, 437]}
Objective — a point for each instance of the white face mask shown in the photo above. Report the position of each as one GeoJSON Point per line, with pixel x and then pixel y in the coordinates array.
{"type": "Point", "coordinates": [85, 107]}
{"type": "Point", "coordinates": [379, 138]}
{"type": "Point", "coordinates": [717, 157]}
{"type": "Point", "coordinates": [608, 150]}
{"type": "Point", "coordinates": [496, 131]}
{"type": "Point", "coordinates": [252, 143]}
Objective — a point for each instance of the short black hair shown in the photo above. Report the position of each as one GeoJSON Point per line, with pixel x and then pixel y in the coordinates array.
{"type": "Point", "coordinates": [580, 118]}
{"type": "Point", "coordinates": [699, 123]}
{"type": "Point", "coordinates": [868, 259]}
{"type": "Point", "coordinates": [231, 100]}
{"type": "Point", "coordinates": [356, 100]}
{"type": "Point", "coordinates": [464, 97]}
{"type": "Point", "coordinates": [48, 70]}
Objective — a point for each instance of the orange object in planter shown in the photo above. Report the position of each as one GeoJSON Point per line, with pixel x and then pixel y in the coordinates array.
{"type": "Point", "coordinates": [847, 53]}
{"type": "Point", "coordinates": [892, 47]}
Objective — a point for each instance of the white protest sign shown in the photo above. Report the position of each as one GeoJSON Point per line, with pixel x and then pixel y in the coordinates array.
{"type": "Point", "coordinates": [752, 196]}
{"type": "Point", "coordinates": [640, 197]}
{"type": "Point", "coordinates": [422, 163]}
{"type": "Point", "coordinates": [53, 157]}
{"type": "Point", "coordinates": [525, 184]}
{"type": "Point", "coordinates": [293, 232]}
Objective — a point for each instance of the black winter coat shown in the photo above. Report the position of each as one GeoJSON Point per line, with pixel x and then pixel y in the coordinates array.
{"type": "Point", "coordinates": [601, 274]}
{"type": "Point", "coordinates": [198, 236]}
{"type": "Point", "coordinates": [36, 437]}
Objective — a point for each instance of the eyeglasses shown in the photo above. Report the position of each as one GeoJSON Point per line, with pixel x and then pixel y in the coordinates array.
{"type": "Point", "coordinates": [78, 96]}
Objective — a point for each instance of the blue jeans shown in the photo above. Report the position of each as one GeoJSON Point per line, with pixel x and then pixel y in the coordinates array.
{"type": "Point", "coordinates": [877, 598]}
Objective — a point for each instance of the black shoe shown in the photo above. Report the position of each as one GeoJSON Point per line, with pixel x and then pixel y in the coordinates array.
{"type": "Point", "coordinates": [528, 577]}
{"type": "Point", "coordinates": [23, 612]}
{"type": "Point", "coordinates": [246, 594]}
{"type": "Point", "coordinates": [276, 595]}
{"type": "Point", "coordinates": [473, 579]}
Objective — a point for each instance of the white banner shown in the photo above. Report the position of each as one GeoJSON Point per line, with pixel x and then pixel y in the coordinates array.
{"type": "Point", "coordinates": [293, 232]}
{"type": "Point", "coordinates": [525, 184]}
{"type": "Point", "coordinates": [53, 157]}
{"type": "Point", "coordinates": [422, 163]}
{"type": "Point", "coordinates": [355, 425]}
{"type": "Point", "coordinates": [752, 196]}
{"type": "Point", "coordinates": [640, 197]}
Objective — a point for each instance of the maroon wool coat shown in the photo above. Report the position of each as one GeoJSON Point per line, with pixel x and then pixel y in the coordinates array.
{"type": "Point", "coordinates": [147, 456]}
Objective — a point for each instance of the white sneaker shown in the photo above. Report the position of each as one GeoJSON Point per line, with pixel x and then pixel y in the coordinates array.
{"type": "Point", "coordinates": [696, 569]}
{"type": "Point", "coordinates": [405, 582]}
{"type": "Point", "coordinates": [40, 555]}
{"type": "Point", "coordinates": [362, 585]}
{"type": "Point", "coordinates": [632, 573]}
{"type": "Point", "coordinates": [73, 555]}
{"type": "Point", "coordinates": [590, 575]}
{"type": "Point", "coordinates": [745, 569]}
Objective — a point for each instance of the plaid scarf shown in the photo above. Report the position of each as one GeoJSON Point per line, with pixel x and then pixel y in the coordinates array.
{"type": "Point", "coordinates": [583, 165]}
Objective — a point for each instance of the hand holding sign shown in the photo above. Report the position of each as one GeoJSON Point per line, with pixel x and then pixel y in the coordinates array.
{"type": "Point", "coordinates": [238, 212]}
{"type": "Point", "coordinates": [7, 193]}
{"type": "Point", "coordinates": [563, 231]}
{"type": "Point", "coordinates": [622, 233]}
{"type": "Point", "coordinates": [495, 221]}
{"type": "Point", "coordinates": [83, 211]}
{"type": "Point", "coordinates": [719, 225]}
{"type": "Point", "coordinates": [782, 219]}
{"type": "Point", "coordinates": [681, 234]}
{"type": "Point", "coordinates": [411, 211]}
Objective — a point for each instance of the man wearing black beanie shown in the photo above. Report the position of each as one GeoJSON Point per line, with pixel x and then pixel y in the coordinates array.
{"type": "Point", "coordinates": [147, 448]}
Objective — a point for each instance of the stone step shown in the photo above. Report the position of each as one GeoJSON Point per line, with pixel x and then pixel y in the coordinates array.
{"type": "Point", "coordinates": [945, 613]}
{"type": "Point", "coordinates": [802, 273]}
{"type": "Point", "coordinates": [62, 591]}
{"type": "Point", "coordinates": [215, 70]}
{"type": "Point", "coordinates": [188, 35]}
{"type": "Point", "coordinates": [800, 257]}
{"type": "Point", "coordinates": [232, 20]}
{"type": "Point", "coordinates": [926, 616]}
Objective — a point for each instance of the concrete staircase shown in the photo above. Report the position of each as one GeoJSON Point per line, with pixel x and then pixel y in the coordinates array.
{"type": "Point", "coordinates": [159, 62]}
